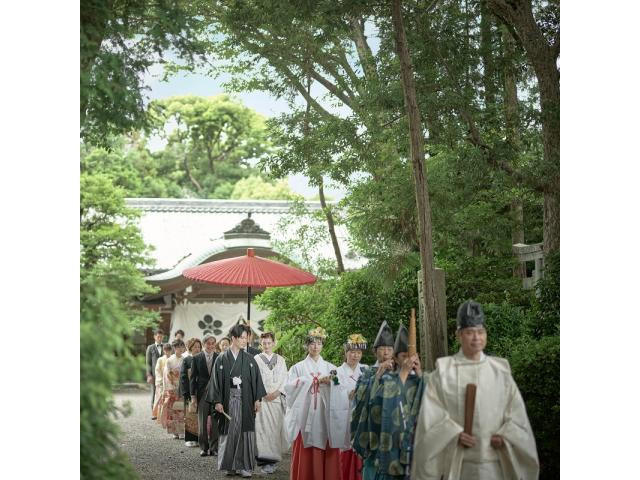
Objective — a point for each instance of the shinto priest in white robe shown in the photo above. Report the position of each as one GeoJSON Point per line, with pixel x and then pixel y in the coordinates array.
{"type": "Point", "coordinates": [308, 403]}
{"type": "Point", "coordinates": [499, 410]}
{"type": "Point", "coordinates": [270, 433]}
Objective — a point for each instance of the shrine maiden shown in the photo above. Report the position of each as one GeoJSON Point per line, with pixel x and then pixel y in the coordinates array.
{"type": "Point", "coordinates": [307, 419]}
{"type": "Point", "coordinates": [342, 396]}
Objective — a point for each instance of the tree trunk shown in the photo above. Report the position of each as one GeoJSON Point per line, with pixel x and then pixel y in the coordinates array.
{"type": "Point", "coordinates": [185, 162]}
{"type": "Point", "coordinates": [323, 202]}
{"type": "Point", "coordinates": [518, 17]}
{"type": "Point", "coordinates": [332, 228]}
{"type": "Point", "coordinates": [551, 227]}
{"type": "Point", "coordinates": [488, 63]}
{"type": "Point", "coordinates": [437, 347]}
{"type": "Point", "coordinates": [513, 135]}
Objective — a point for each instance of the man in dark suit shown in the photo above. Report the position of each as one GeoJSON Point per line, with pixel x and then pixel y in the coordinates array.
{"type": "Point", "coordinates": [154, 352]}
{"type": "Point", "coordinates": [200, 374]}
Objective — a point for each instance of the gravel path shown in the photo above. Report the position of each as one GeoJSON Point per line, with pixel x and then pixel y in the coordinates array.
{"type": "Point", "coordinates": [156, 455]}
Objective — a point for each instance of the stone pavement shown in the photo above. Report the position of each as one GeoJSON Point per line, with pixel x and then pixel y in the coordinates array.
{"type": "Point", "coordinates": [156, 455]}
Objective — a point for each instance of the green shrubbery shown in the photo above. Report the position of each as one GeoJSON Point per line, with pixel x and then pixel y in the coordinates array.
{"type": "Point", "coordinates": [546, 306]}
{"type": "Point", "coordinates": [535, 364]}
{"type": "Point", "coordinates": [356, 302]}
{"type": "Point", "coordinates": [105, 358]}
{"type": "Point", "coordinates": [111, 251]}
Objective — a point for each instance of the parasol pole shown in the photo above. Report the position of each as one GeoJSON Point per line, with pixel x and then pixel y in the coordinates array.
{"type": "Point", "coordinates": [250, 253]}
{"type": "Point", "coordinates": [249, 306]}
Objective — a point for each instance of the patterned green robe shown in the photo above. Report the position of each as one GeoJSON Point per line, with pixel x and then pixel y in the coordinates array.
{"type": "Point", "coordinates": [383, 422]}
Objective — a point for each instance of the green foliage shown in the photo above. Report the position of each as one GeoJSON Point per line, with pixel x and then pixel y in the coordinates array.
{"type": "Point", "coordinates": [484, 279]}
{"type": "Point", "coordinates": [112, 248]}
{"type": "Point", "coordinates": [129, 165]}
{"type": "Point", "coordinates": [256, 187]}
{"type": "Point", "coordinates": [293, 311]}
{"type": "Point", "coordinates": [111, 252]}
{"type": "Point", "coordinates": [536, 369]}
{"type": "Point", "coordinates": [547, 302]}
{"type": "Point", "coordinates": [354, 302]}
{"type": "Point", "coordinates": [105, 358]}
{"type": "Point", "coordinates": [357, 305]}
{"type": "Point", "coordinates": [208, 155]}
{"type": "Point", "coordinates": [301, 233]}
{"type": "Point", "coordinates": [119, 41]}
{"type": "Point", "coordinates": [214, 141]}
{"type": "Point", "coordinates": [506, 326]}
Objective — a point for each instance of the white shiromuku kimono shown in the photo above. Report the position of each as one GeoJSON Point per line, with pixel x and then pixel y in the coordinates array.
{"type": "Point", "coordinates": [499, 410]}
{"type": "Point", "coordinates": [341, 406]}
{"type": "Point", "coordinates": [308, 403]}
{"type": "Point", "coordinates": [270, 433]}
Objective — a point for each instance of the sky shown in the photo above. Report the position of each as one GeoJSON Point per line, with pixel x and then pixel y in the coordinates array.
{"type": "Point", "coordinates": [198, 83]}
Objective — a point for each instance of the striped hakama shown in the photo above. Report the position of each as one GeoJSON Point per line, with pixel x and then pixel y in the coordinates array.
{"type": "Point", "coordinates": [237, 450]}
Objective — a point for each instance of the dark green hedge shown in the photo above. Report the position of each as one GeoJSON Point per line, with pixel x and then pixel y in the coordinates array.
{"type": "Point", "coordinates": [536, 369]}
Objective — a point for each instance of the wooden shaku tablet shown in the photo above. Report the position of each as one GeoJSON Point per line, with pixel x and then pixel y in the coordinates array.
{"type": "Point", "coordinates": [469, 407]}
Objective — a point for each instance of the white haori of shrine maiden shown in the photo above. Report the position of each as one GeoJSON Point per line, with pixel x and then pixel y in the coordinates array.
{"type": "Point", "coordinates": [341, 406]}
{"type": "Point", "coordinates": [309, 404]}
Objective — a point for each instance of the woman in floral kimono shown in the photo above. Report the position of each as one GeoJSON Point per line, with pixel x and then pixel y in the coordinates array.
{"type": "Point", "coordinates": [194, 346]}
{"type": "Point", "coordinates": [157, 406]}
{"type": "Point", "coordinates": [172, 412]}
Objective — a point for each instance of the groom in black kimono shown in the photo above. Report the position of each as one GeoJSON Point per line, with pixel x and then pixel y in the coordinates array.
{"type": "Point", "coordinates": [235, 391]}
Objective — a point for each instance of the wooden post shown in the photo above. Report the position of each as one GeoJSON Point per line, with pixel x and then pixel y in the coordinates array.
{"type": "Point", "coordinates": [412, 343]}
{"type": "Point", "coordinates": [440, 284]}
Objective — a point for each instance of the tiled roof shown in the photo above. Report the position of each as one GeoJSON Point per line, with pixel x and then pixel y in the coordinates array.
{"type": "Point", "coordinates": [214, 206]}
{"type": "Point", "coordinates": [185, 232]}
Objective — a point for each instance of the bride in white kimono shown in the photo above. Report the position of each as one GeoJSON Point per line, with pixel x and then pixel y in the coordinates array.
{"type": "Point", "coordinates": [308, 422]}
{"type": "Point", "coordinates": [270, 433]}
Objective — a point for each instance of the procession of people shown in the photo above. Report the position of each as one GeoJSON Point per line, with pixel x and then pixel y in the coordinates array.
{"type": "Point", "coordinates": [466, 420]}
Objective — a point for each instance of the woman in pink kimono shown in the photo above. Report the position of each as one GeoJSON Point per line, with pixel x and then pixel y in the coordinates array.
{"type": "Point", "coordinates": [172, 412]}
{"type": "Point", "coordinates": [167, 349]}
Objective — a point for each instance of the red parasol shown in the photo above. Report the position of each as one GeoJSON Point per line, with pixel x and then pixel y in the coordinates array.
{"type": "Point", "coordinates": [249, 271]}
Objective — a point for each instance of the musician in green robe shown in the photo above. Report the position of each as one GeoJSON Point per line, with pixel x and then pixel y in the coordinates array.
{"type": "Point", "coordinates": [389, 404]}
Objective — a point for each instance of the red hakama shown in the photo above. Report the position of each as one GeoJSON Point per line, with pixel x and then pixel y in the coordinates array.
{"type": "Point", "coordinates": [350, 465]}
{"type": "Point", "coordinates": [314, 463]}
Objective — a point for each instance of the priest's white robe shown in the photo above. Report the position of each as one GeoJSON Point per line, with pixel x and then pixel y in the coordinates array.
{"type": "Point", "coordinates": [341, 406]}
{"type": "Point", "coordinates": [499, 410]}
{"type": "Point", "coordinates": [270, 433]}
{"type": "Point", "coordinates": [308, 403]}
